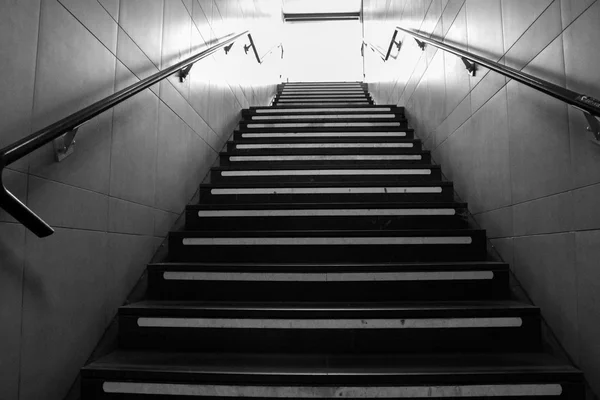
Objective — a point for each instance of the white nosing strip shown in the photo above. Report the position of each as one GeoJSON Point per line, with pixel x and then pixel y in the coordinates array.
{"type": "Point", "coordinates": [311, 172]}
{"type": "Point", "coordinates": [296, 110]}
{"type": "Point", "coordinates": [317, 116]}
{"type": "Point", "coordinates": [329, 213]}
{"type": "Point", "coordinates": [330, 277]}
{"type": "Point", "coordinates": [324, 145]}
{"type": "Point", "coordinates": [330, 190]}
{"type": "Point", "coordinates": [333, 392]}
{"type": "Point", "coordinates": [327, 158]}
{"type": "Point", "coordinates": [323, 124]}
{"type": "Point", "coordinates": [323, 134]}
{"type": "Point", "coordinates": [412, 323]}
{"type": "Point", "coordinates": [328, 241]}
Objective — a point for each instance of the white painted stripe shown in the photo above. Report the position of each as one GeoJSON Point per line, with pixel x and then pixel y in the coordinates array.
{"type": "Point", "coordinates": [329, 277]}
{"type": "Point", "coordinates": [332, 392]}
{"type": "Point", "coordinates": [311, 172]}
{"type": "Point", "coordinates": [324, 124]}
{"type": "Point", "coordinates": [324, 145]}
{"type": "Point", "coordinates": [323, 134]}
{"type": "Point", "coordinates": [327, 241]}
{"type": "Point", "coordinates": [355, 116]}
{"type": "Point", "coordinates": [402, 157]}
{"type": "Point", "coordinates": [327, 213]}
{"type": "Point", "coordinates": [331, 190]}
{"type": "Point", "coordinates": [296, 110]}
{"type": "Point", "coordinates": [414, 323]}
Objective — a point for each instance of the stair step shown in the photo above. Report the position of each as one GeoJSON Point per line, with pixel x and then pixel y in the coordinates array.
{"type": "Point", "coordinates": [369, 108]}
{"type": "Point", "coordinates": [328, 246]}
{"type": "Point", "coordinates": [324, 116]}
{"type": "Point", "coordinates": [303, 134]}
{"type": "Point", "coordinates": [322, 111]}
{"type": "Point", "coordinates": [322, 103]}
{"type": "Point", "coordinates": [328, 282]}
{"type": "Point", "coordinates": [318, 147]}
{"type": "Point", "coordinates": [327, 216]}
{"type": "Point", "coordinates": [316, 192]}
{"type": "Point", "coordinates": [325, 159]}
{"type": "Point", "coordinates": [324, 174]}
{"type": "Point", "coordinates": [325, 96]}
{"type": "Point", "coordinates": [412, 327]}
{"type": "Point", "coordinates": [324, 123]}
{"type": "Point", "coordinates": [523, 375]}
{"type": "Point", "coordinates": [313, 141]}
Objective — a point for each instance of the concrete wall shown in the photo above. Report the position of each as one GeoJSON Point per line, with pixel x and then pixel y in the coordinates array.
{"type": "Point", "coordinates": [134, 169]}
{"type": "Point", "coordinates": [521, 159]}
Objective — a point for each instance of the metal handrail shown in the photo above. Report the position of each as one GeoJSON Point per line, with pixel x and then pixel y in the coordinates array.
{"type": "Point", "coordinates": [375, 49]}
{"type": "Point", "coordinates": [68, 126]}
{"type": "Point", "coordinates": [586, 104]}
{"type": "Point", "coordinates": [393, 42]}
{"type": "Point", "coordinates": [255, 51]}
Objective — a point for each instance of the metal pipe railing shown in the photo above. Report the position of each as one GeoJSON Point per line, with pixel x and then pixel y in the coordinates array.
{"type": "Point", "coordinates": [67, 128]}
{"type": "Point", "coordinates": [586, 104]}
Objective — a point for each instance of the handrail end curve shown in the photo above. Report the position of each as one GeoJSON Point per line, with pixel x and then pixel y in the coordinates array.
{"type": "Point", "coordinates": [19, 211]}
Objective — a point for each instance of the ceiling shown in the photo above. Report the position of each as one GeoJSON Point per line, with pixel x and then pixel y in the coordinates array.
{"type": "Point", "coordinates": [321, 6]}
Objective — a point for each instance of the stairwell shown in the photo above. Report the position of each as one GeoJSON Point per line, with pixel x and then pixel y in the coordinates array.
{"type": "Point", "coordinates": [327, 257]}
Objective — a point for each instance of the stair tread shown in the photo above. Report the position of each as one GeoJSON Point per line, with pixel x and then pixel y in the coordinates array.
{"type": "Point", "coordinates": [330, 267]}
{"type": "Point", "coordinates": [317, 308]}
{"type": "Point", "coordinates": [330, 233]}
{"type": "Point", "coordinates": [328, 205]}
{"type": "Point", "coordinates": [287, 366]}
{"type": "Point", "coordinates": [323, 184]}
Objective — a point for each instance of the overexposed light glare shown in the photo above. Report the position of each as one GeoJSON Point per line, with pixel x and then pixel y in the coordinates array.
{"type": "Point", "coordinates": [323, 51]}
{"type": "Point", "coordinates": [321, 6]}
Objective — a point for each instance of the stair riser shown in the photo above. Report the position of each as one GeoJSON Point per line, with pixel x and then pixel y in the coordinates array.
{"type": "Point", "coordinates": [325, 253]}
{"type": "Point", "coordinates": [525, 338]}
{"type": "Point", "coordinates": [194, 222]}
{"type": "Point", "coordinates": [417, 290]}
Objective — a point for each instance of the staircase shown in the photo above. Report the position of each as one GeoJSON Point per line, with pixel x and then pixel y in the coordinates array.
{"type": "Point", "coordinates": [328, 258]}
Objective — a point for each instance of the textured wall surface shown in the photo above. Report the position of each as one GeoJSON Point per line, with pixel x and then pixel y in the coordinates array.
{"type": "Point", "coordinates": [134, 169]}
{"type": "Point", "coordinates": [521, 159]}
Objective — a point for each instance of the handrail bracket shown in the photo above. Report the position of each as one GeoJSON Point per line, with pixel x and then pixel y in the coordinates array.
{"type": "Point", "coordinates": [228, 48]}
{"type": "Point", "coordinates": [183, 74]}
{"type": "Point", "coordinates": [420, 44]}
{"type": "Point", "coordinates": [64, 145]}
{"type": "Point", "coordinates": [471, 66]}
{"type": "Point", "coordinates": [594, 125]}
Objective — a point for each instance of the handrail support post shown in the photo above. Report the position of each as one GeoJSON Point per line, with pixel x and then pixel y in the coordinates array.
{"type": "Point", "coordinates": [594, 125]}
{"type": "Point", "coordinates": [64, 145]}
{"type": "Point", "coordinates": [471, 66]}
